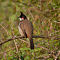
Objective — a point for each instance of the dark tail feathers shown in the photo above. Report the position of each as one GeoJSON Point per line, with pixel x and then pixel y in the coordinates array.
{"type": "Point", "coordinates": [31, 43]}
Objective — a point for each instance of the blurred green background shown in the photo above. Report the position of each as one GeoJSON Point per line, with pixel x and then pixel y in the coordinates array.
{"type": "Point", "coordinates": [45, 16]}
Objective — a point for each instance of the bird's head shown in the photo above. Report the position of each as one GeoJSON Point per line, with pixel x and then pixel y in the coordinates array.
{"type": "Point", "coordinates": [22, 16]}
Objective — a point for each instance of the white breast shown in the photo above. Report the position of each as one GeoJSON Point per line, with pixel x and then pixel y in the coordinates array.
{"type": "Point", "coordinates": [20, 30]}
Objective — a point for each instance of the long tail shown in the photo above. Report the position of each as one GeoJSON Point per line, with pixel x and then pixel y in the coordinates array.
{"type": "Point", "coordinates": [31, 43]}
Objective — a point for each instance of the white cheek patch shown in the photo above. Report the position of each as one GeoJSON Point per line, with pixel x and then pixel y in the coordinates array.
{"type": "Point", "coordinates": [20, 19]}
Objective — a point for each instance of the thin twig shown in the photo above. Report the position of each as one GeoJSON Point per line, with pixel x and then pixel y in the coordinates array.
{"type": "Point", "coordinates": [4, 29]}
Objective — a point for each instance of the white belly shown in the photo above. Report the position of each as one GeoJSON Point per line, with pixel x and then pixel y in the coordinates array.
{"type": "Point", "coordinates": [20, 31]}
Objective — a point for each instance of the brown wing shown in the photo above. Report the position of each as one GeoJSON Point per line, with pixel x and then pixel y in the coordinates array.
{"type": "Point", "coordinates": [28, 27]}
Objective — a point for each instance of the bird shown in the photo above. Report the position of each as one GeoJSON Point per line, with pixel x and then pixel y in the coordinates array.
{"type": "Point", "coordinates": [26, 28]}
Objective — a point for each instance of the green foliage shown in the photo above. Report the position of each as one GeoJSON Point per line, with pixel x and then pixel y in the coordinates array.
{"type": "Point", "coordinates": [45, 16]}
{"type": "Point", "coordinates": [50, 59]}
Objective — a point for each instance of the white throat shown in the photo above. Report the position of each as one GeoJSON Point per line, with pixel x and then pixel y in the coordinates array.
{"type": "Point", "coordinates": [21, 19]}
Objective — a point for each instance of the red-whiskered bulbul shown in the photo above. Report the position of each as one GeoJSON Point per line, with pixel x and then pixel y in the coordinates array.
{"type": "Point", "coordinates": [26, 29]}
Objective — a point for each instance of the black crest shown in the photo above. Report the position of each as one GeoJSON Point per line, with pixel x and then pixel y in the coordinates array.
{"type": "Point", "coordinates": [22, 15]}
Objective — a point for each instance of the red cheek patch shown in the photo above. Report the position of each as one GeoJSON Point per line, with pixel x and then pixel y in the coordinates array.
{"type": "Point", "coordinates": [22, 17]}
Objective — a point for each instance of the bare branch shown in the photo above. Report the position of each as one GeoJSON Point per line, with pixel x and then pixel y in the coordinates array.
{"type": "Point", "coordinates": [24, 37]}
{"type": "Point", "coordinates": [11, 39]}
